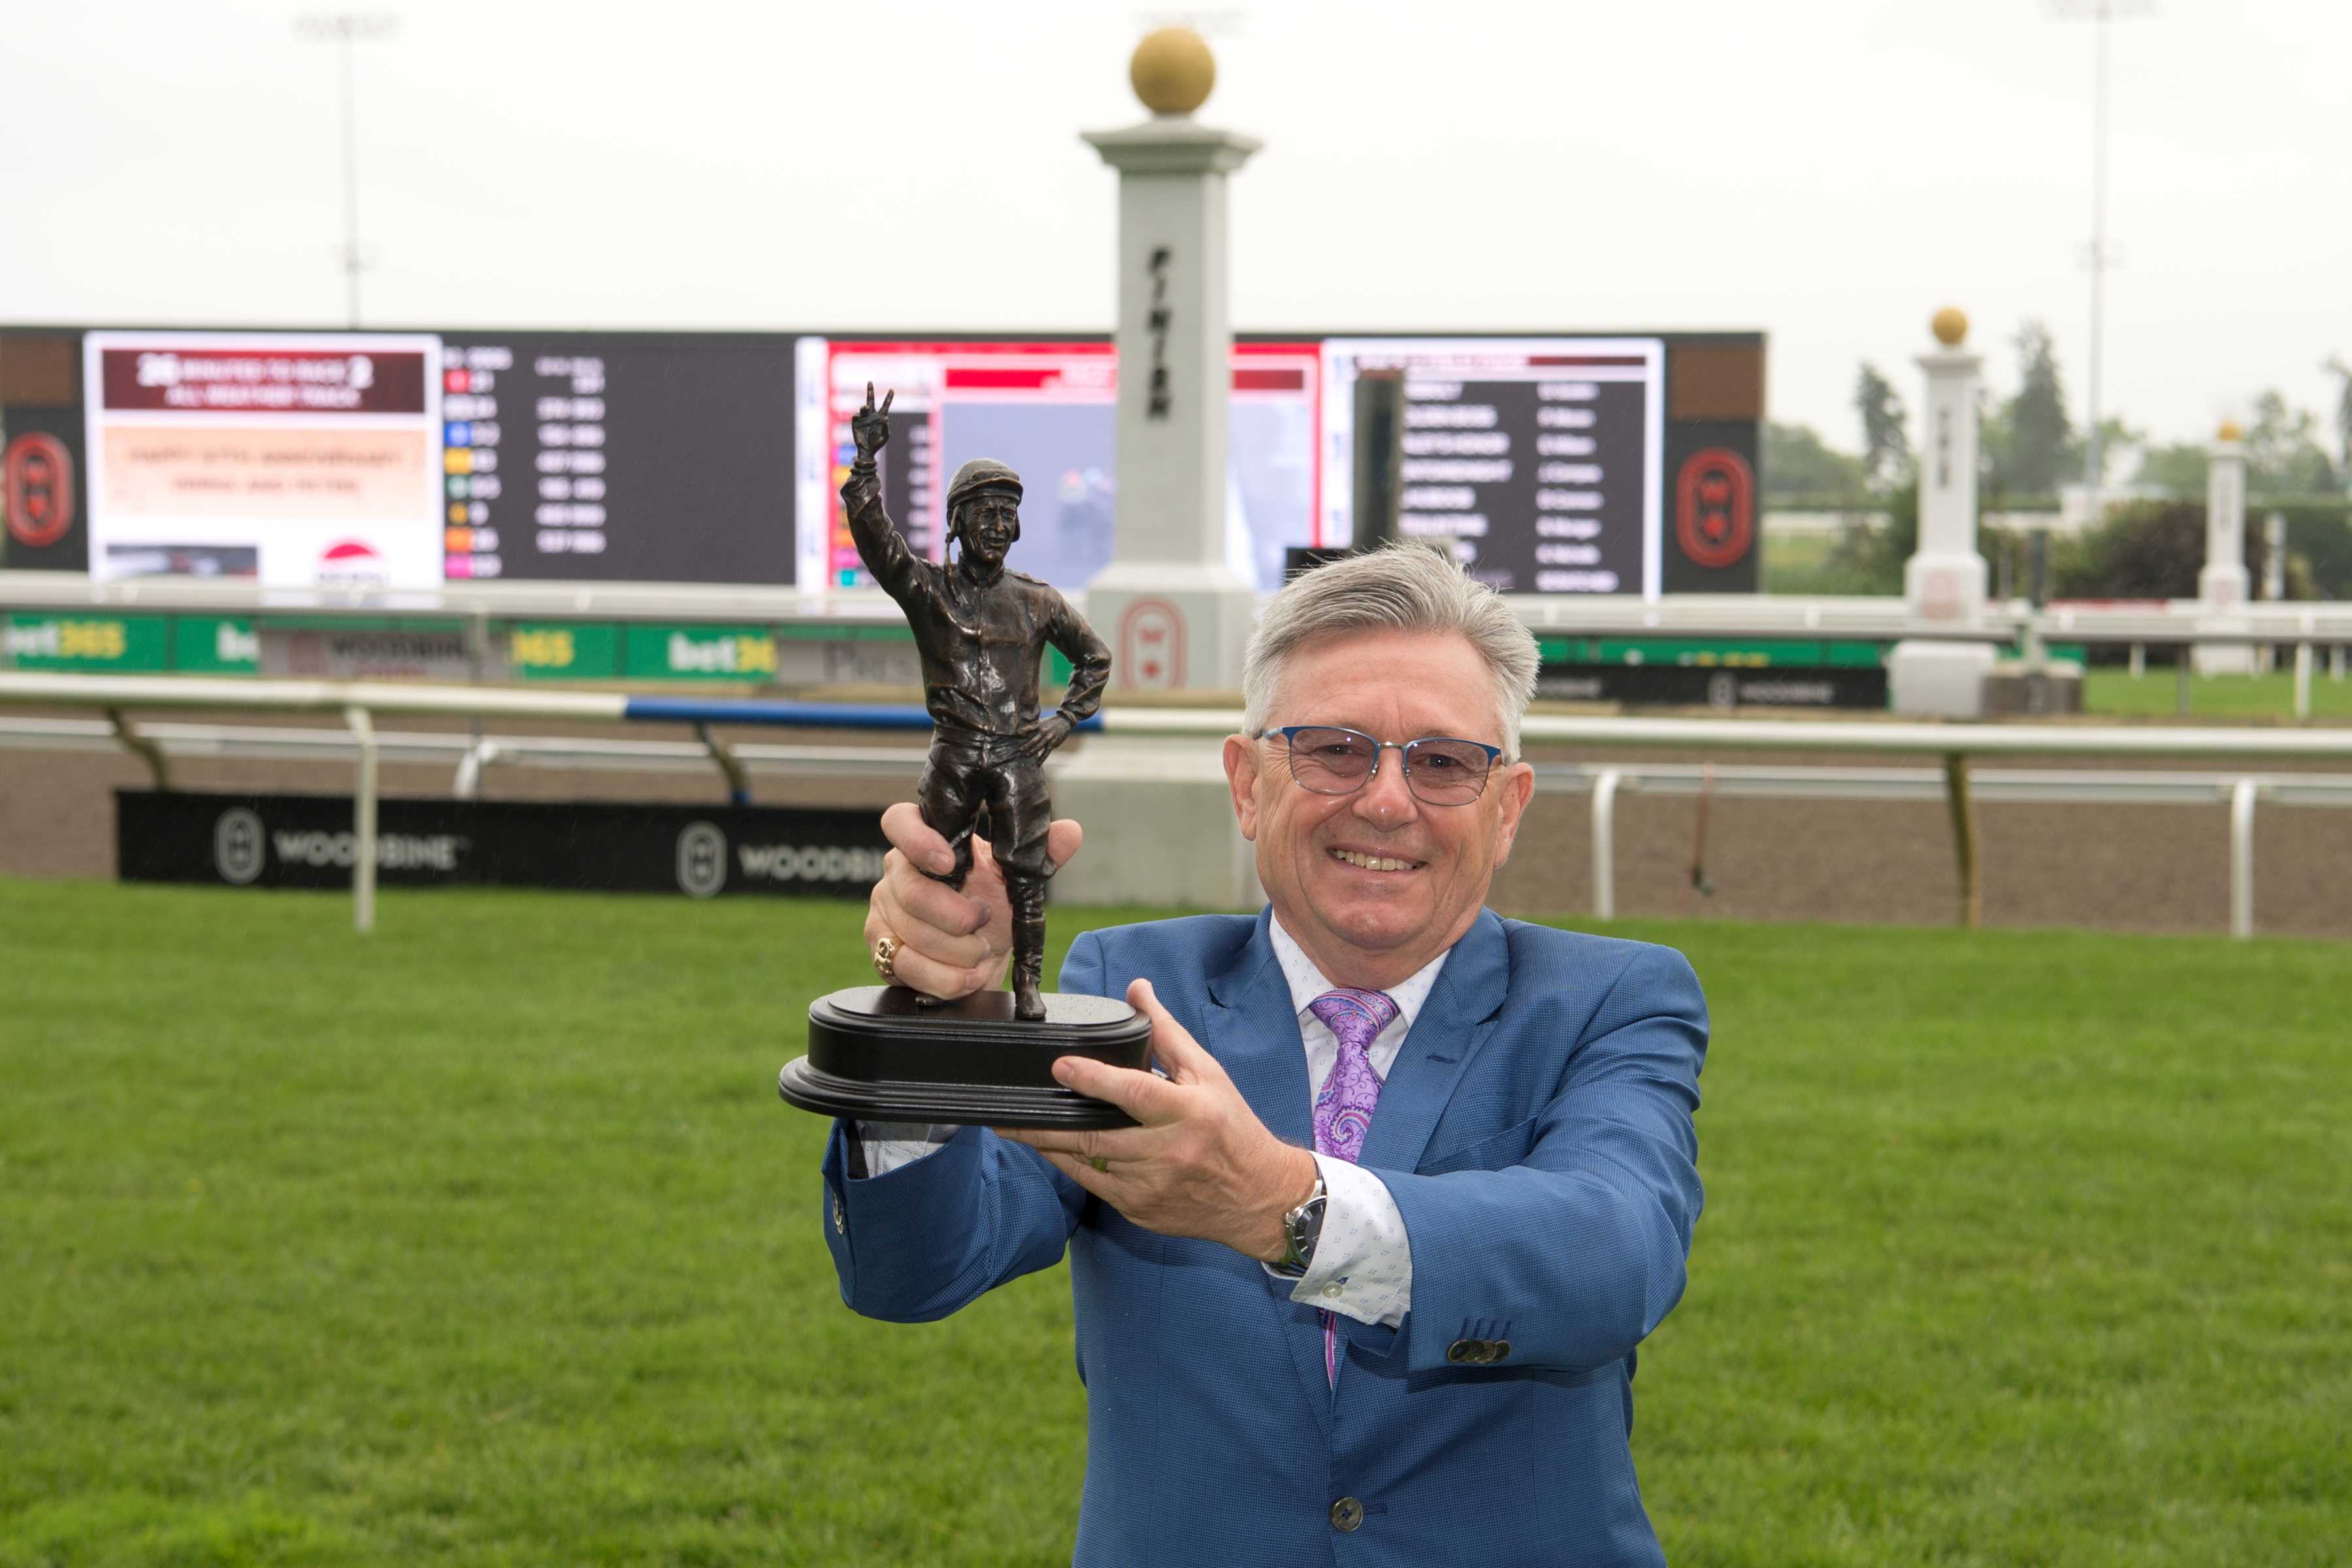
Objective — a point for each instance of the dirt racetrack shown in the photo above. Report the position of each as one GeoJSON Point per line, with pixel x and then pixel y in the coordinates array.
{"type": "Point", "coordinates": [2143, 867]}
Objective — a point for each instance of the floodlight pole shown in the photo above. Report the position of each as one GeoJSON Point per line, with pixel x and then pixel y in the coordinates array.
{"type": "Point", "coordinates": [2094, 473]}
{"type": "Point", "coordinates": [352, 199]}
{"type": "Point", "coordinates": [2100, 13]}
{"type": "Point", "coordinates": [345, 27]}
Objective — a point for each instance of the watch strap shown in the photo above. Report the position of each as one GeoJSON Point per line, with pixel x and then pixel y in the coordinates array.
{"type": "Point", "coordinates": [1302, 1227]}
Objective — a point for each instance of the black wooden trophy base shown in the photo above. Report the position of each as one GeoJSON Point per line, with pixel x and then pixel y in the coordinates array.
{"type": "Point", "coordinates": [878, 1054]}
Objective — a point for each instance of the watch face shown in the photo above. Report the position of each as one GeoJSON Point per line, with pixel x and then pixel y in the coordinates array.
{"type": "Point", "coordinates": [1306, 1227]}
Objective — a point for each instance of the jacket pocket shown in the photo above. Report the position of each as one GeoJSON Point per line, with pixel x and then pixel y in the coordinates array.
{"type": "Point", "coordinates": [1494, 1153]}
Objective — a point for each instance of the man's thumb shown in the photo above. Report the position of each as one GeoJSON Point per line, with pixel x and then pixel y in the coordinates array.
{"type": "Point", "coordinates": [1062, 841]}
{"type": "Point", "coordinates": [1175, 1048]}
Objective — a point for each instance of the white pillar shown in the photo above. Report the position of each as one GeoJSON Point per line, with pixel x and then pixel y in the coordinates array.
{"type": "Point", "coordinates": [1160, 824]}
{"type": "Point", "coordinates": [1175, 613]}
{"type": "Point", "coordinates": [1944, 580]}
{"type": "Point", "coordinates": [2222, 586]}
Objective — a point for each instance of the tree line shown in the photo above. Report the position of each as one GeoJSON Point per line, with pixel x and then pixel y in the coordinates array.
{"type": "Point", "coordinates": [2149, 541]}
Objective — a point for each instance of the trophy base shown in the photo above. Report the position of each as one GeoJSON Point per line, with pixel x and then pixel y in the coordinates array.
{"type": "Point", "coordinates": [879, 1053]}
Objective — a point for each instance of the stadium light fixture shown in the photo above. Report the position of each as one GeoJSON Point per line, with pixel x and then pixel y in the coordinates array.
{"type": "Point", "coordinates": [2099, 13]}
{"type": "Point", "coordinates": [345, 29]}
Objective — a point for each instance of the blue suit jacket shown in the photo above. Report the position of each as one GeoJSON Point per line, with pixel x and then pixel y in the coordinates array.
{"type": "Point", "coordinates": [1536, 1131]}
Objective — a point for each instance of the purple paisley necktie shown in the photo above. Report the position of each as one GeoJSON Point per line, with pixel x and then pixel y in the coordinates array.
{"type": "Point", "coordinates": [1343, 1107]}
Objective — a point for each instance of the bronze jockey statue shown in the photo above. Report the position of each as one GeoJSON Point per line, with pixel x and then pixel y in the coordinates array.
{"type": "Point", "coordinates": [982, 633]}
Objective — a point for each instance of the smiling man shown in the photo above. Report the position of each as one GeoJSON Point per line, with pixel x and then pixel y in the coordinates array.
{"type": "Point", "coordinates": [1412, 1181]}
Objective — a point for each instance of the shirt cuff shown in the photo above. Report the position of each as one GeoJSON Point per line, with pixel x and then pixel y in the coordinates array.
{"type": "Point", "coordinates": [886, 1145]}
{"type": "Point", "coordinates": [1362, 1267]}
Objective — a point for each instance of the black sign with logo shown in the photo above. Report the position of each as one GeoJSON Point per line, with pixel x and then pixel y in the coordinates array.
{"type": "Point", "coordinates": [1715, 686]}
{"type": "Point", "coordinates": [307, 841]}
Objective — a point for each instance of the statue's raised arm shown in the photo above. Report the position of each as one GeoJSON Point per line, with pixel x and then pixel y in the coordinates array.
{"type": "Point", "coordinates": [870, 426]}
{"type": "Point", "coordinates": [879, 545]}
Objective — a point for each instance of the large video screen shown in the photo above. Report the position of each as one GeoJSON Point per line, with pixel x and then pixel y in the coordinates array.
{"type": "Point", "coordinates": [612, 459]}
{"type": "Point", "coordinates": [1559, 464]}
{"type": "Point", "coordinates": [1048, 408]}
{"type": "Point", "coordinates": [288, 460]}
{"type": "Point", "coordinates": [407, 461]}
{"type": "Point", "coordinates": [1537, 458]}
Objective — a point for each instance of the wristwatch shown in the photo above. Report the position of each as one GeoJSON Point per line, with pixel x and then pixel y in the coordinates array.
{"type": "Point", "coordinates": [1302, 1227]}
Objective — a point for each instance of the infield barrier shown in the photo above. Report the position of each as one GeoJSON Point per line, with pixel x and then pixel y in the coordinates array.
{"type": "Point", "coordinates": [1956, 744]}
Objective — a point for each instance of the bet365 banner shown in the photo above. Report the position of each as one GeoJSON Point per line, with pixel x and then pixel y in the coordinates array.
{"type": "Point", "coordinates": [307, 841]}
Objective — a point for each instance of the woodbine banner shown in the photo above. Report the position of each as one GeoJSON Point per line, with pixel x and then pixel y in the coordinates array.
{"type": "Point", "coordinates": [307, 841]}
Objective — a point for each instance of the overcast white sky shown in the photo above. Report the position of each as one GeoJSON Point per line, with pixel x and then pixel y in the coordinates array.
{"type": "Point", "coordinates": [1828, 171]}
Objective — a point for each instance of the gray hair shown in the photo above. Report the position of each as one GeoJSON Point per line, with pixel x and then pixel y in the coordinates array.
{"type": "Point", "coordinates": [1403, 586]}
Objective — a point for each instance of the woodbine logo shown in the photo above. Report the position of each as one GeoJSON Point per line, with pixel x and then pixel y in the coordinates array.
{"type": "Point", "coordinates": [393, 851]}
{"type": "Point", "coordinates": [703, 861]}
{"type": "Point", "coordinates": [241, 844]}
{"type": "Point", "coordinates": [813, 863]}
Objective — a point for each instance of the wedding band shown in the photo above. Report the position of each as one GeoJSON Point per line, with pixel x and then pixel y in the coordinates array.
{"type": "Point", "coordinates": [1100, 1163]}
{"type": "Point", "coordinates": [886, 958]}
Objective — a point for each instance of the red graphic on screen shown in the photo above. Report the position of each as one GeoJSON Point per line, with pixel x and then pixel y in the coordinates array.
{"type": "Point", "coordinates": [38, 475]}
{"type": "Point", "coordinates": [1715, 507]}
{"type": "Point", "coordinates": [264, 381]}
{"type": "Point", "coordinates": [1151, 646]}
{"type": "Point", "coordinates": [351, 563]}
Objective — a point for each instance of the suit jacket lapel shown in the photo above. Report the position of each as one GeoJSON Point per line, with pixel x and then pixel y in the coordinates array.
{"type": "Point", "coordinates": [1258, 1045]}
{"type": "Point", "coordinates": [1254, 1037]}
{"type": "Point", "coordinates": [1453, 1025]}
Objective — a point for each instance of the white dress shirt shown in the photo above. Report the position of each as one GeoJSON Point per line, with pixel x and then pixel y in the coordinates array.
{"type": "Point", "coordinates": [1362, 1267]}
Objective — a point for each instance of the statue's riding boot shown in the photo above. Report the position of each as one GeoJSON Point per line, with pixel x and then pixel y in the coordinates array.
{"type": "Point", "coordinates": [1028, 949]}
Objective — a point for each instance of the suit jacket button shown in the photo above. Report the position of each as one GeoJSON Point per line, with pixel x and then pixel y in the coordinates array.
{"type": "Point", "coordinates": [1502, 1349]}
{"type": "Point", "coordinates": [1461, 1351]}
{"type": "Point", "coordinates": [1346, 1514]}
{"type": "Point", "coordinates": [839, 1228]}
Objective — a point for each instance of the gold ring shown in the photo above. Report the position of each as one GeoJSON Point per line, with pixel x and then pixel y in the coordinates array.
{"type": "Point", "coordinates": [886, 958]}
{"type": "Point", "coordinates": [1100, 1163]}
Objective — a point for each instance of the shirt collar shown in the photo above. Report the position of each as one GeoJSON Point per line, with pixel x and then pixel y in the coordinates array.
{"type": "Point", "coordinates": [1306, 982]}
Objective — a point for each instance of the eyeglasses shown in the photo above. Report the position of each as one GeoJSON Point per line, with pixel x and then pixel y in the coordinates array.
{"type": "Point", "coordinates": [1328, 760]}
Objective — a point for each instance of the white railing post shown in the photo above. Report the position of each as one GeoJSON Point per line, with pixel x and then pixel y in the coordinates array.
{"type": "Point", "coordinates": [1604, 845]}
{"type": "Point", "coordinates": [478, 756]}
{"type": "Point", "coordinates": [1964, 839]}
{"type": "Point", "coordinates": [739, 783]}
{"type": "Point", "coordinates": [142, 746]}
{"type": "Point", "coordinates": [2138, 660]}
{"type": "Point", "coordinates": [363, 821]}
{"type": "Point", "coordinates": [2303, 681]}
{"type": "Point", "coordinates": [2242, 859]}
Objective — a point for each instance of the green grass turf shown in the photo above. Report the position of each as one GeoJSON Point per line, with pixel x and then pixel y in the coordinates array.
{"type": "Point", "coordinates": [2157, 694]}
{"type": "Point", "coordinates": [1797, 563]}
{"type": "Point", "coordinates": [486, 1241]}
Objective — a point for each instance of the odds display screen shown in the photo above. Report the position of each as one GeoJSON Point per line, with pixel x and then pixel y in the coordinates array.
{"type": "Point", "coordinates": [1560, 464]}
{"type": "Point", "coordinates": [605, 457]}
{"type": "Point", "coordinates": [1537, 458]}
{"type": "Point", "coordinates": [406, 461]}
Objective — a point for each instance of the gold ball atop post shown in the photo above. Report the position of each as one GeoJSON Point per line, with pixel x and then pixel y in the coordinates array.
{"type": "Point", "coordinates": [1950, 326]}
{"type": "Point", "coordinates": [1173, 71]}
{"type": "Point", "coordinates": [2230, 431]}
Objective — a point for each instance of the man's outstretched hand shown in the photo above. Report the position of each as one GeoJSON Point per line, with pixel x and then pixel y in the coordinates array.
{"type": "Point", "coordinates": [950, 943]}
{"type": "Point", "coordinates": [1201, 1165]}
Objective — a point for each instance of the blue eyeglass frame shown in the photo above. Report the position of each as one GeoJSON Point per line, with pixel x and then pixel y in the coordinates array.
{"type": "Point", "coordinates": [1289, 733]}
